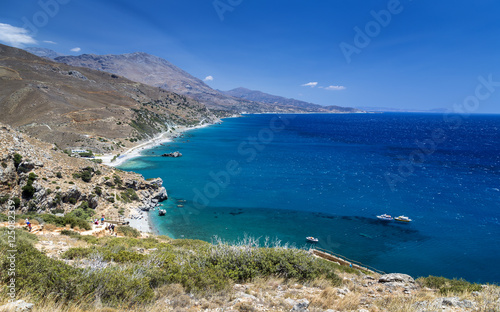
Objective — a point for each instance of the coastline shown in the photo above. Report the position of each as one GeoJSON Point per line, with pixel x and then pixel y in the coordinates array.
{"type": "Point", "coordinates": [137, 218]}
{"type": "Point", "coordinates": [135, 151]}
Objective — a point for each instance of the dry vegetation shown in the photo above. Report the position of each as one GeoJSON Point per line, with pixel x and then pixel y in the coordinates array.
{"type": "Point", "coordinates": [231, 289]}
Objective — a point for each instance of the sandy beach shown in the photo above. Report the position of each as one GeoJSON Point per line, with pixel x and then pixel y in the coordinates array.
{"type": "Point", "coordinates": [164, 137]}
{"type": "Point", "coordinates": [139, 220]}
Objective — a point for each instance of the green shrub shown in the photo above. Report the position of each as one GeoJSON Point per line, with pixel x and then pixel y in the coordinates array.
{"type": "Point", "coordinates": [98, 190]}
{"type": "Point", "coordinates": [83, 212]}
{"type": "Point", "coordinates": [4, 199]}
{"type": "Point", "coordinates": [87, 154]}
{"type": "Point", "coordinates": [86, 174]}
{"type": "Point", "coordinates": [128, 231]}
{"type": "Point", "coordinates": [17, 160]}
{"type": "Point", "coordinates": [70, 233]}
{"type": "Point", "coordinates": [129, 195]}
{"type": "Point", "coordinates": [118, 181]}
{"type": "Point", "coordinates": [17, 202]}
{"type": "Point", "coordinates": [28, 189]}
{"type": "Point", "coordinates": [4, 165]}
{"type": "Point", "coordinates": [59, 174]}
{"type": "Point", "coordinates": [3, 217]}
{"type": "Point", "coordinates": [43, 278]}
{"type": "Point", "coordinates": [445, 285]}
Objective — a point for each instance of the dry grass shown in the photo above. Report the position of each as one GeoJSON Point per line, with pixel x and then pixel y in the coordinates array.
{"type": "Point", "coordinates": [326, 299]}
{"type": "Point", "coordinates": [49, 227]}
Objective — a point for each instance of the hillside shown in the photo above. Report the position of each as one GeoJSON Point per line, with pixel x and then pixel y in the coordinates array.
{"type": "Point", "coordinates": [258, 96]}
{"type": "Point", "coordinates": [79, 108]}
{"type": "Point", "coordinates": [158, 72]}
{"type": "Point", "coordinates": [155, 273]}
{"type": "Point", "coordinates": [38, 177]}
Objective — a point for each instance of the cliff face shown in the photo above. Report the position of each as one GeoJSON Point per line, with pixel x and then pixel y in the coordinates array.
{"type": "Point", "coordinates": [80, 108]}
{"type": "Point", "coordinates": [41, 178]}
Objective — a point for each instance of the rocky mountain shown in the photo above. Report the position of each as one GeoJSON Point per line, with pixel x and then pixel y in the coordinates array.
{"type": "Point", "coordinates": [37, 176]}
{"type": "Point", "coordinates": [155, 71]}
{"type": "Point", "coordinates": [158, 72]}
{"type": "Point", "coordinates": [43, 52]}
{"type": "Point", "coordinates": [81, 108]}
{"type": "Point", "coordinates": [258, 96]}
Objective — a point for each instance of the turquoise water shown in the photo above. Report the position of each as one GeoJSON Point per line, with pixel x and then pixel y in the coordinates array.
{"type": "Point", "coordinates": [290, 176]}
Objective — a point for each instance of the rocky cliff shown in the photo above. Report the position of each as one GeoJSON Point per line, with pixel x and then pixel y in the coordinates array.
{"type": "Point", "coordinates": [37, 176]}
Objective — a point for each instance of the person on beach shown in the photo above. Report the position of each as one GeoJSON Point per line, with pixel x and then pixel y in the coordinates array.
{"type": "Point", "coordinates": [102, 219]}
{"type": "Point", "coordinates": [28, 224]}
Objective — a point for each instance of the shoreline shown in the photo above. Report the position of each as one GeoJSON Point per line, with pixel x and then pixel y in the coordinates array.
{"type": "Point", "coordinates": [135, 151]}
{"type": "Point", "coordinates": [137, 218]}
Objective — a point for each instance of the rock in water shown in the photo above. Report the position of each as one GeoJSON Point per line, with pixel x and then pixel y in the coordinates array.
{"type": "Point", "coordinates": [174, 154]}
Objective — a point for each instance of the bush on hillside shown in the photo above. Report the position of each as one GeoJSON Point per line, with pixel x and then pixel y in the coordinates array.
{"type": "Point", "coordinates": [445, 285]}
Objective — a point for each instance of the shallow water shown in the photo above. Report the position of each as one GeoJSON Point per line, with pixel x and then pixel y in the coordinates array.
{"type": "Point", "coordinates": [328, 176]}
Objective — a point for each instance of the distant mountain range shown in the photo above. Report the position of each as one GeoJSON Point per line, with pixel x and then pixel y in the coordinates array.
{"type": "Point", "coordinates": [158, 72]}
{"type": "Point", "coordinates": [401, 110]}
{"type": "Point", "coordinates": [43, 52]}
{"type": "Point", "coordinates": [258, 96]}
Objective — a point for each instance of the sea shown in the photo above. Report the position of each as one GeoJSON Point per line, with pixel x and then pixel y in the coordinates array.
{"type": "Point", "coordinates": [281, 178]}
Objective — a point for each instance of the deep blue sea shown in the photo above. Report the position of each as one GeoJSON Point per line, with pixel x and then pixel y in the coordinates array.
{"type": "Point", "coordinates": [329, 176]}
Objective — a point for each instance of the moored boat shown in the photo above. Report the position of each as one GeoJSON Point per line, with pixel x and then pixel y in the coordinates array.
{"type": "Point", "coordinates": [385, 217]}
{"type": "Point", "coordinates": [312, 239]}
{"type": "Point", "coordinates": [403, 219]}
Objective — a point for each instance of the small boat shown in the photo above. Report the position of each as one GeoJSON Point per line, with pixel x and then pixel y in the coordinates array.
{"type": "Point", "coordinates": [403, 219]}
{"type": "Point", "coordinates": [385, 217]}
{"type": "Point", "coordinates": [312, 239]}
{"type": "Point", "coordinates": [162, 212]}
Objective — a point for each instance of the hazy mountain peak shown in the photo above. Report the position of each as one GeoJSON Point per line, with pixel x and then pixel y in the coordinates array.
{"type": "Point", "coordinates": [43, 52]}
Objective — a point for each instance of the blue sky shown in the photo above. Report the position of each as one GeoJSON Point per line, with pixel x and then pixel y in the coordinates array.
{"type": "Point", "coordinates": [416, 54]}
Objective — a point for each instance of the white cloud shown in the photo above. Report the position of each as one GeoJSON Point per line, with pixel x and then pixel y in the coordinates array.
{"type": "Point", "coordinates": [51, 42]}
{"type": "Point", "coordinates": [334, 88]}
{"type": "Point", "coordinates": [15, 36]}
{"type": "Point", "coordinates": [310, 84]}
{"type": "Point", "coordinates": [77, 49]}
{"type": "Point", "coordinates": [208, 78]}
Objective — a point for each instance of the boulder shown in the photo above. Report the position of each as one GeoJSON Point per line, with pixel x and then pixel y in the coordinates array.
{"type": "Point", "coordinates": [161, 195]}
{"type": "Point", "coordinates": [396, 278]}
{"type": "Point", "coordinates": [17, 306]}
{"type": "Point", "coordinates": [73, 192]}
{"type": "Point", "coordinates": [93, 202]}
{"type": "Point", "coordinates": [444, 303]}
{"type": "Point", "coordinates": [156, 183]}
{"type": "Point", "coordinates": [301, 305]}
{"type": "Point", "coordinates": [133, 184]}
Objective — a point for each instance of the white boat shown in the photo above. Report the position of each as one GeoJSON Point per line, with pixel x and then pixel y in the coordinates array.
{"type": "Point", "coordinates": [403, 219]}
{"type": "Point", "coordinates": [312, 239]}
{"type": "Point", "coordinates": [385, 217]}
